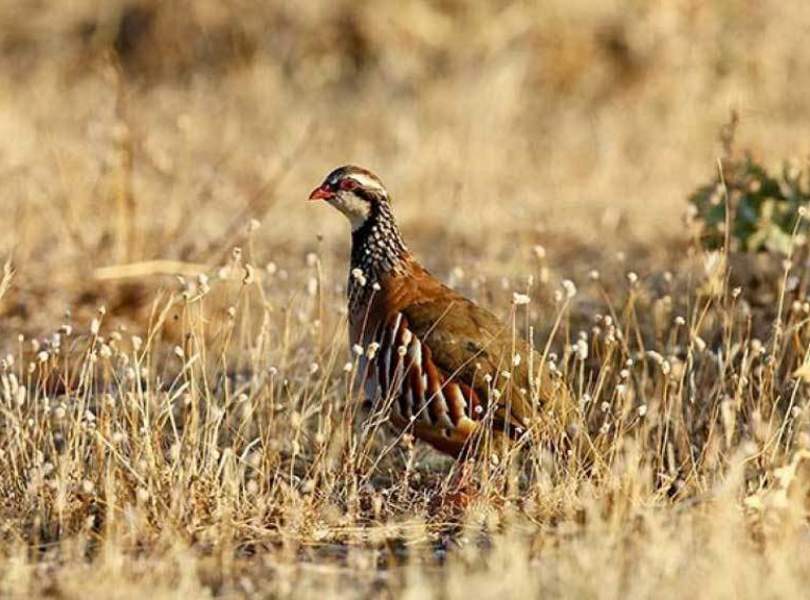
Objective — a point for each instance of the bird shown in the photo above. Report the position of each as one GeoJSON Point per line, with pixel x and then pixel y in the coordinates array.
{"type": "Point", "coordinates": [442, 368]}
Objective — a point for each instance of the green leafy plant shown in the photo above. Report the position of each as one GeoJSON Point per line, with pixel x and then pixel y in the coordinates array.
{"type": "Point", "coordinates": [764, 207]}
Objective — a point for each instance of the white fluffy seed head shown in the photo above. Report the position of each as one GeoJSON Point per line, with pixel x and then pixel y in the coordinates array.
{"type": "Point", "coordinates": [520, 299]}
{"type": "Point", "coordinates": [581, 349]}
{"type": "Point", "coordinates": [570, 288]}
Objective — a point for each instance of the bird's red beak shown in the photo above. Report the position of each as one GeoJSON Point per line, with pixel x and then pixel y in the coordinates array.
{"type": "Point", "coordinates": [321, 193]}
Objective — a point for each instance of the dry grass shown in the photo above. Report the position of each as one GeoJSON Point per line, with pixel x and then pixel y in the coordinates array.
{"type": "Point", "coordinates": [177, 416]}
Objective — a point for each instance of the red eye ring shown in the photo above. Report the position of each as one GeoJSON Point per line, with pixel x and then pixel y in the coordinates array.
{"type": "Point", "coordinates": [348, 184]}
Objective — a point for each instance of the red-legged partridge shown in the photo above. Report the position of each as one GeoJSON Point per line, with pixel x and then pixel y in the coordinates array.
{"type": "Point", "coordinates": [445, 368]}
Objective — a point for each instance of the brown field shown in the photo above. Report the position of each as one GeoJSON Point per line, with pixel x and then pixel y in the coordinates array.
{"type": "Point", "coordinates": [175, 385]}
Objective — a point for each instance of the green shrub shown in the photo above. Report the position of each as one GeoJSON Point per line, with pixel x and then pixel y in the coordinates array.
{"type": "Point", "coordinates": [765, 208]}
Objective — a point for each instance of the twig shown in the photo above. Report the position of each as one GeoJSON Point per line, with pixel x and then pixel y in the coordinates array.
{"type": "Point", "coordinates": [148, 268]}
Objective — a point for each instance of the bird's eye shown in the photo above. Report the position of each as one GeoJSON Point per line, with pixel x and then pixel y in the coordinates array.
{"type": "Point", "coordinates": [348, 184]}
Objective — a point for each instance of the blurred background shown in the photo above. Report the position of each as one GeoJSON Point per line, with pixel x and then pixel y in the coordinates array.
{"type": "Point", "coordinates": [140, 130]}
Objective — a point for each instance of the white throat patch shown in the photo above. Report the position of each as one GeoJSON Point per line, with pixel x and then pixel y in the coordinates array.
{"type": "Point", "coordinates": [355, 208]}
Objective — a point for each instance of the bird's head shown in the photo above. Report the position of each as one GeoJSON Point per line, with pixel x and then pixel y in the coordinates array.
{"type": "Point", "coordinates": [354, 191]}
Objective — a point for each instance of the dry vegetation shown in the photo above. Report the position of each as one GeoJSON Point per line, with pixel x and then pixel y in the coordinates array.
{"type": "Point", "coordinates": [177, 415]}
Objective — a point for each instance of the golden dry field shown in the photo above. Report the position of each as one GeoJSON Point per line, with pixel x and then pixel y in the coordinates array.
{"type": "Point", "coordinates": [177, 414]}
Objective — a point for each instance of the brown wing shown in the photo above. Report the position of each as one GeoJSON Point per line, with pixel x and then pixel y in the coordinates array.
{"type": "Point", "coordinates": [470, 344]}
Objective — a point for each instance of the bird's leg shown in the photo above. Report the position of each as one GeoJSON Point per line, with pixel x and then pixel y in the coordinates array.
{"type": "Point", "coordinates": [459, 487]}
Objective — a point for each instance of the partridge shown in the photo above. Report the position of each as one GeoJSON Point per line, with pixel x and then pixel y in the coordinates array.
{"type": "Point", "coordinates": [442, 367]}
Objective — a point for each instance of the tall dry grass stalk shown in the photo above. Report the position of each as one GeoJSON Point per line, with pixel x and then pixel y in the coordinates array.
{"type": "Point", "coordinates": [5, 281]}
